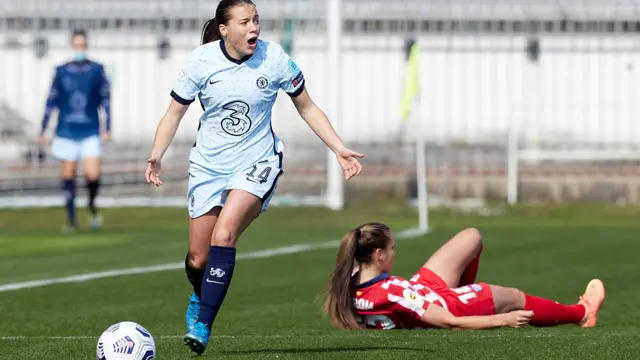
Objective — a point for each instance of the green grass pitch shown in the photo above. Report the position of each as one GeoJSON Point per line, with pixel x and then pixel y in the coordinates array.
{"type": "Point", "coordinates": [273, 311]}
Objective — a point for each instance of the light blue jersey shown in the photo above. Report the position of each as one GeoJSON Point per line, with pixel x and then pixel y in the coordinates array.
{"type": "Point", "coordinates": [236, 147]}
{"type": "Point", "coordinates": [237, 97]}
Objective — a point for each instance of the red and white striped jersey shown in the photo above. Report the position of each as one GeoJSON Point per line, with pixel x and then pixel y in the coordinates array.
{"type": "Point", "coordinates": [391, 302]}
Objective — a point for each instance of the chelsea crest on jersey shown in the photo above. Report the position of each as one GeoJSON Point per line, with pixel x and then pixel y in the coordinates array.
{"type": "Point", "coordinates": [237, 97]}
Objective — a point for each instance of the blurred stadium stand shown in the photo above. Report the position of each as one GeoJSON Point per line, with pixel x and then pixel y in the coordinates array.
{"type": "Point", "coordinates": [476, 54]}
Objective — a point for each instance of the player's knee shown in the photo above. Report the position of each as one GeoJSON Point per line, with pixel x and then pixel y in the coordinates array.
{"type": "Point", "coordinates": [68, 171]}
{"type": "Point", "coordinates": [507, 299]}
{"type": "Point", "coordinates": [198, 259]}
{"type": "Point", "coordinates": [472, 235]}
{"type": "Point", "coordinates": [225, 238]}
{"type": "Point", "coordinates": [92, 173]}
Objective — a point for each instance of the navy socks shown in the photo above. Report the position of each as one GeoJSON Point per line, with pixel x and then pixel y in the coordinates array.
{"type": "Point", "coordinates": [92, 188]}
{"type": "Point", "coordinates": [216, 281]}
{"type": "Point", "coordinates": [69, 190]}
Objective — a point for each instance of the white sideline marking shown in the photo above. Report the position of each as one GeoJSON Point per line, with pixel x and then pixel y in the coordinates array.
{"type": "Point", "coordinates": [25, 202]}
{"type": "Point", "coordinates": [360, 334]}
{"type": "Point", "coordinates": [260, 254]}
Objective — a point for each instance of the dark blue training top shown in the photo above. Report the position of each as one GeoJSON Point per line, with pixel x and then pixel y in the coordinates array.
{"type": "Point", "coordinates": [78, 90]}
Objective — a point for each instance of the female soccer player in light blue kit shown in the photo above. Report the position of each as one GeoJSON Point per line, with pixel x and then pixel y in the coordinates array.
{"type": "Point", "coordinates": [237, 159]}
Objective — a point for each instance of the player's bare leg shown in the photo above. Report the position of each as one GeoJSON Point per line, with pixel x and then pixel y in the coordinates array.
{"type": "Point", "coordinates": [92, 169]}
{"type": "Point", "coordinates": [240, 209]}
{"type": "Point", "coordinates": [507, 299]}
{"type": "Point", "coordinates": [69, 171]}
{"type": "Point", "coordinates": [455, 256]}
{"type": "Point", "coordinates": [200, 233]}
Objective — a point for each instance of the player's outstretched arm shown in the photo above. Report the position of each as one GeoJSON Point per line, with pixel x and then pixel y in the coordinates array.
{"type": "Point", "coordinates": [165, 132]}
{"type": "Point", "coordinates": [442, 318]}
{"type": "Point", "coordinates": [321, 126]}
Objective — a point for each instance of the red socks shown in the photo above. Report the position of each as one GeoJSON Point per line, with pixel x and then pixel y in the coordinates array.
{"type": "Point", "coordinates": [545, 312]}
{"type": "Point", "coordinates": [550, 313]}
{"type": "Point", "coordinates": [471, 271]}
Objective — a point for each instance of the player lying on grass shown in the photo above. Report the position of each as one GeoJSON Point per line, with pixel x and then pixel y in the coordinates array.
{"type": "Point", "coordinates": [443, 294]}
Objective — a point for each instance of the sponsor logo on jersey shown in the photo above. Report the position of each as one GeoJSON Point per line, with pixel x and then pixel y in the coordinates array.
{"type": "Point", "coordinates": [362, 304]}
{"type": "Point", "coordinates": [476, 287]}
{"type": "Point", "coordinates": [413, 297]}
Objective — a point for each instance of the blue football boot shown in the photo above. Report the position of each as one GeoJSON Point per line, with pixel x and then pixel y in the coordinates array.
{"type": "Point", "coordinates": [193, 310]}
{"type": "Point", "coordinates": [198, 338]}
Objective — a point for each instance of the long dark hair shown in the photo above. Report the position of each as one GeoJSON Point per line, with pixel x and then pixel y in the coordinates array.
{"type": "Point", "coordinates": [356, 246]}
{"type": "Point", "coordinates": [211, 29]}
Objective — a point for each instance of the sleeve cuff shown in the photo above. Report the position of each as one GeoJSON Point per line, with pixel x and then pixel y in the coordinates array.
{"type": "Point", "coordinates": [298, 91]}
{"type": "Point", "coordinates": [180, 99]}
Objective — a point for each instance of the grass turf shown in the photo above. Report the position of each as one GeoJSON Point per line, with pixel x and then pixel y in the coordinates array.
{"type": "Point", "coordinates": [272, 310]}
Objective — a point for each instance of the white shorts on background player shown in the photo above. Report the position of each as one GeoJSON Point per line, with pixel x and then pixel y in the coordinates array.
{"type": "Point", "coordinates": [64, 149]}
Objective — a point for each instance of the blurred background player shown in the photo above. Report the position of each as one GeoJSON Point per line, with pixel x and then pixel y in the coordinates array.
{"type": "Point", "coordinates": [80, 87]}
{"type": "Point", "coordinates": [237, 159]}
{"type": "Point", "coordinates": [372, 298]}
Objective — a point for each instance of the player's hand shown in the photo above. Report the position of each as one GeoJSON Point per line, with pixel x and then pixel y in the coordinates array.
{"type": "Point", "coordinates": [153, 171]}
{"type": "Point", "coordinates": [348, 159]}
{"type": "Point", "coordinates": [519, 318]}
{"type": "Point", "coordinates": [106, 137]}
{"type": "Point", "coordinates": [41, 140]}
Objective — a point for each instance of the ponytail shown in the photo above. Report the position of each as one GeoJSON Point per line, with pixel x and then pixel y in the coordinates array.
{"type": "Point", "coordinates": [355, 247]}
{"type": "Point", "coordinates": [210, 32]}
{"type": "Point", "coordinates": [339, 298]}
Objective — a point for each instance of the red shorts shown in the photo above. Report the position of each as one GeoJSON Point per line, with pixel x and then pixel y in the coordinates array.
{"type": "Point", "coordinates": [469, 300]}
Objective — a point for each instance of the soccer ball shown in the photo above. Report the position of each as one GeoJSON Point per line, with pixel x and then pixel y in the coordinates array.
{"type": "Point", "coordinates": [126, 341]}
